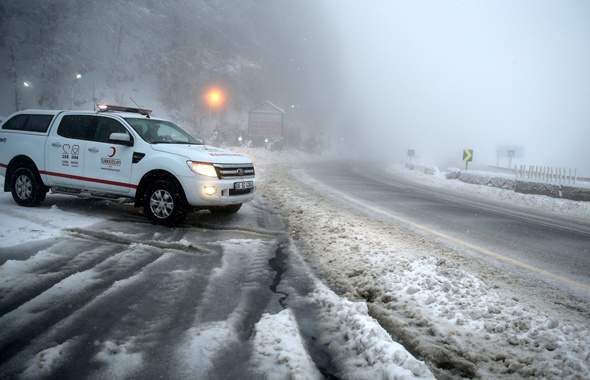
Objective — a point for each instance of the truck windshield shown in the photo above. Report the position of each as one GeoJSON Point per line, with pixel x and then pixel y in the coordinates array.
{"type": "Point", "coordinates": [161, 132]}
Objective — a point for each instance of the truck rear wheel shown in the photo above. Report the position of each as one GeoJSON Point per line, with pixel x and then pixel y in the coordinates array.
{"type": "Point", "coordinates": [164, 203]}
{"type": "Point", "coordinates": [27, 188]}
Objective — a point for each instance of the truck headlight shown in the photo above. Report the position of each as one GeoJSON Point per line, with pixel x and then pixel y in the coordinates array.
{"type": "Point", "coordinates": [202, 168]}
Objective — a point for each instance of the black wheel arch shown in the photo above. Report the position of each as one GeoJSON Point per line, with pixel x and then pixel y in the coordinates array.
{"type": "Point", "coordinates": [151, 177]}
{"type": "Point", "coordinates": [16, 163]}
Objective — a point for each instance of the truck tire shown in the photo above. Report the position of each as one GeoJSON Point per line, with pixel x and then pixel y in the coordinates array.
{"type": "Point", "coordinates": [27, 188]}
{"type": "Point", "coordinates": [164, 203]}
{"type": "Point", "coordinates": [231, 209]}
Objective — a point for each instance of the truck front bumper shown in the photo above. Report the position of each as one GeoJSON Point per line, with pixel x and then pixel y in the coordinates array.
{"type": "Point", "coordinates": [202, 191]}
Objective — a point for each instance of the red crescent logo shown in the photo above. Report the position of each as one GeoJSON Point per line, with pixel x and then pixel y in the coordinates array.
{"type": "Point", "coordinates": [114, 151]}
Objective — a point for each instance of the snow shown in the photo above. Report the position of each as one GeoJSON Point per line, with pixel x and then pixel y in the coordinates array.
{"type": "Point", "coordinates": [27, 314]}
{"type": "Point", "coordinates": [542, 202]}
{"type": "Point", "coordinates": [46, 361]}
{"type": "Point", "coordinates": [203, 344]}
{"type": "Point", "coordinates": [361, 348]}
{"type": "Point", "coordinates": [395, 290]}
{"type": "Point", "coordinates": [208, 340]}
{"type": "Point", "coordinates": [120, 360]}
{"type": "Point", "coordinates": [279, 351]}
{"type": "Point", "coordinates": [22, 224]}
{"type": "Point", "coordinates": [454, 313]}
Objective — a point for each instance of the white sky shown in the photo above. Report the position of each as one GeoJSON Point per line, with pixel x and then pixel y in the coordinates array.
{"type": "Point", "coordinates": [472, 74]}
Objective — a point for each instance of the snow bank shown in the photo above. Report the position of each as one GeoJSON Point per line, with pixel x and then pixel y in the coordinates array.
{"type": "Point", "coordinates": [279, 351]}
{"type": "Point", "coordinates": [501, 181]}
{"type": "Point", "coordinates": [359, 346]}
{"type": "Point", "coordinates": [459, 306]}
{"type": "Point", "coordinates": [510, 182]}
{"type": "Point", "coordinates": [554, 191]}
{"type": "Point", "coordinates": [202, 345]}
{"type": "Point", "coordinates": [426, 169]}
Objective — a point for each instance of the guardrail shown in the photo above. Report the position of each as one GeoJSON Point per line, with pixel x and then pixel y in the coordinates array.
{"type": "Point", "coordinates": [505, 170]}
{"type": "Point", "coordinates": [546, 174]}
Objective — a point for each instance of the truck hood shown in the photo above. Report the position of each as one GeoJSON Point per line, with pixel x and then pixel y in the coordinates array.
{"type": "Point", "coordinates": [203, 153]}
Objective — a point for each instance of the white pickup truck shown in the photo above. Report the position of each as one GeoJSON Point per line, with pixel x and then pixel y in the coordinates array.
{"type": "Point", "coordinates": [119, 152]}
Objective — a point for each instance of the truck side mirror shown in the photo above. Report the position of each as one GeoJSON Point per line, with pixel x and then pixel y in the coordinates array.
{"type": "Point", "coordinates": [121, 139]}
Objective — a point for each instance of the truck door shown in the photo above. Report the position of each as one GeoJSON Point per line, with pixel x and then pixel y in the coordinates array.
{"type": "Point", "coordinates": [65, 150]}
{"type": "Point", "coordinates": [107, 166]}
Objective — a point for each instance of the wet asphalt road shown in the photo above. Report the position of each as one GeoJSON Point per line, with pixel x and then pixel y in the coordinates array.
{"type": "Point", "coordinates": [545, 246]}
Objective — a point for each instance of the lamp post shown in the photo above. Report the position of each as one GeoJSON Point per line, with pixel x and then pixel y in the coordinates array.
{"type": "Point", "coordinates": [214, 98]}
{"type": "Point", "coordinates": [78, 76]}
{"type": "Point", "coordinates": [26, 84]}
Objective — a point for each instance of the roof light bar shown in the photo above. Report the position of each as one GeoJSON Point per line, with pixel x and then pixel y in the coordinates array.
{"type": "Point", "coordinates": [106, 107]}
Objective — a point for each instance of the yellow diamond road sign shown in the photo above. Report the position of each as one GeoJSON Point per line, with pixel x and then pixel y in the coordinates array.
{"type": "Point", "coordinates": [467, 155]}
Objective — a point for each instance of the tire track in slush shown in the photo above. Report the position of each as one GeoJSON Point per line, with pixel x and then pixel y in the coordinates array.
{"type": "Point", "coordinates": [29, 278]}
{"type": "Point", "coordinates": [19, 327]}
{"type": "Point", "coordinates": [237, 294]}
{"type": "Point", "coordinates": [136, 298]}
{"type": "Point", "coordinates": [148, 311]}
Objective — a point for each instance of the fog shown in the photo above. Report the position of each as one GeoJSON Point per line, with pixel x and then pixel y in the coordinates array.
{"type": "Point", "coordinates": [168, 55]}
{"type": "Point", "coordinates": [368, 79]}
{"type": "Point", "coordinates": [442, 76]}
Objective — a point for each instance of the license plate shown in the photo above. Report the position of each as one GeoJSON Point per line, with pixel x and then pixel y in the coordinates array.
{"type": "Point", "coordinates": [243, 185]}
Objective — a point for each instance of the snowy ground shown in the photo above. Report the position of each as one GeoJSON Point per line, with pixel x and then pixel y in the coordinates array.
{"type": "Point", "coordinates": [463, 319]}
{"type": "Point", "coordinates": [158, 276]}
{"type": "Point", "coordinates": [20, 225]}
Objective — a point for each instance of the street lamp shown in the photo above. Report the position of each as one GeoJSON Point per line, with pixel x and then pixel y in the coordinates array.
{"type": "Point", "coordinates": [17, 97]}
{"type": "Point", "coordinates": [78, 76]}
{"type": "Point", "coordinates": [214, 98]}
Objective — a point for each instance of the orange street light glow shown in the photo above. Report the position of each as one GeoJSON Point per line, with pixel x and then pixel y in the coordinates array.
{"type": "Point", "coordinates": [214, 97]}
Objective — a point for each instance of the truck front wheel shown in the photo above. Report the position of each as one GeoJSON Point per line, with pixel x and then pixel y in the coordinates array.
{"type": "Point", "coordinates": [27, 188]}
{"type": "Point", "coordinates": [164, 203]}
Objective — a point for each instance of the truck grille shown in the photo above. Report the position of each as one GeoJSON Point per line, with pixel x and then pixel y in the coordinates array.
{"type": "Point", "coordinates": [234, 171]}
